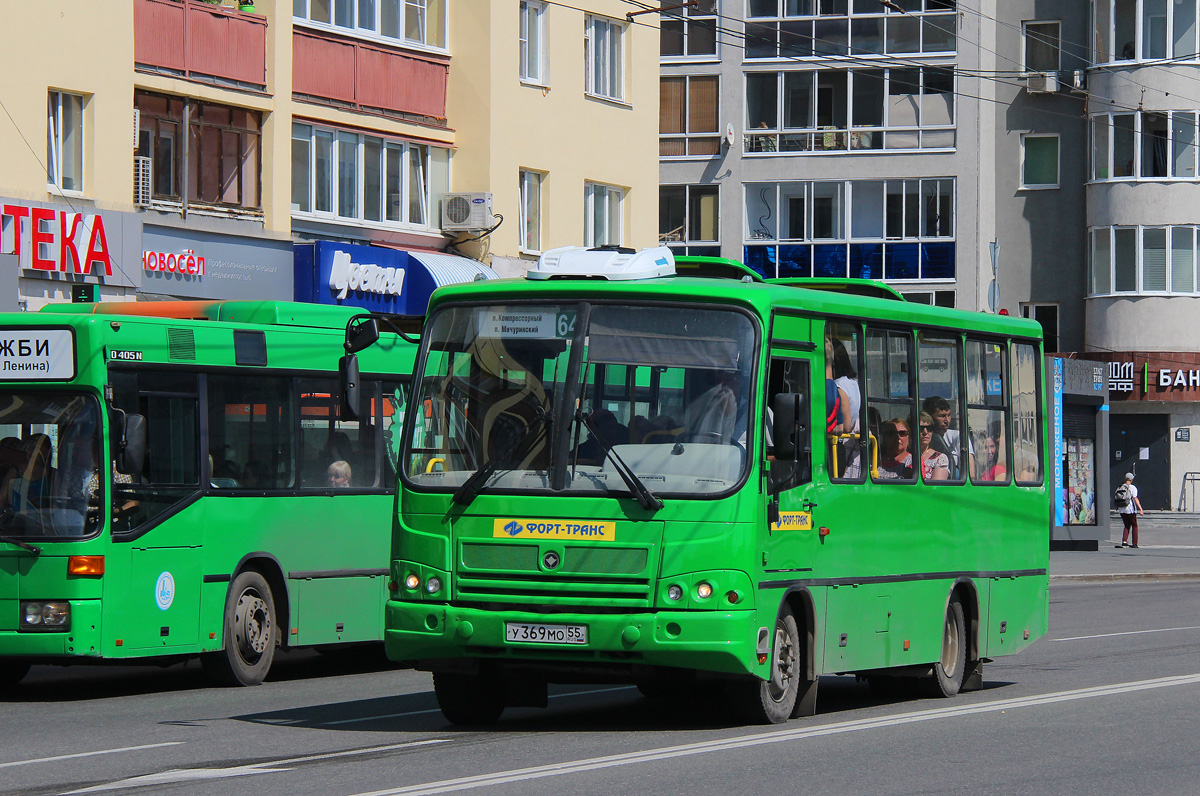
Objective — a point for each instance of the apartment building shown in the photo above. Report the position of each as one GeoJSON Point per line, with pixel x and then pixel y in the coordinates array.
{"type": "Point", "coordinates": [190, 149]}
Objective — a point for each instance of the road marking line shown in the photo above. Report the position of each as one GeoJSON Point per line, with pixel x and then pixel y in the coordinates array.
{"type": "Point", "coordinates": [88, 754]}
{"type": "Point", "coordinates": [1127, 633]}
{"type": "Point", "coordinates": [177, 775]}
{"type": "Point", "coordinates": [757, 739]}
{"type": "Point", "coordinates": [438, 710]}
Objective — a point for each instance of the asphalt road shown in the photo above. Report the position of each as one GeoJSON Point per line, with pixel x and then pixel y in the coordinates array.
{"type": "Point", "coordinates": [1105, 704]}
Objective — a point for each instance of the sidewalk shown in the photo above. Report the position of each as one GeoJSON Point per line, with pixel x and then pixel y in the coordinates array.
{"type": "Point", "coordinates": [1168, 548]}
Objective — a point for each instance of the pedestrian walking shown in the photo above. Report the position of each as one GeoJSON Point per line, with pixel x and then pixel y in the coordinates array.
{"type": "Point", "coordinates": [1128, 506]}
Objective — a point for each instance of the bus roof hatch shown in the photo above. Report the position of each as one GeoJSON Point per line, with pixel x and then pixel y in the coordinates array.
{"type": "Point", "coordinates": [604, 262]}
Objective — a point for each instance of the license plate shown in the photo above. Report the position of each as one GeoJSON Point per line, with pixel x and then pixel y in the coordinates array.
{"type": "Point", "coordinates": [531, 633]}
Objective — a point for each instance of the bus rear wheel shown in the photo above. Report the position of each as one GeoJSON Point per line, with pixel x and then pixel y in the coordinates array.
{"type": "Point", "coordinates": [771, 701]}
{"type": "Point", "coordinates": [250, 632]}
{"type": "Point", "coordinates": [949, 670]}
{"type": "Point", "coordinates": [470, 699]}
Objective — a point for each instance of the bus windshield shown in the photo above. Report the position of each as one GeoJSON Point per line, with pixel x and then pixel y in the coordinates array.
{"type": "Point", "coordinates": [50, 463]}
{"type": "Point", "coordinates": [554, 397]}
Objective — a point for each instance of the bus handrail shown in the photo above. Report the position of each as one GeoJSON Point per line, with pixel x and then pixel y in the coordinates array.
{"type": "Point", "coordinates": [871, 443]}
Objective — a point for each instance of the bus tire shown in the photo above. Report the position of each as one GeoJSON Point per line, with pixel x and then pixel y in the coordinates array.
{"type": "Point", "coordinates": [250, 633]}
{"type": "Point", "coordinates": [771, 701]}
{"type": "Point", "coordinates": [11, 673]}
{"type": "Point", "coordinates": [949, 670]}
{"type": "Point", "coordinates": [470, 699]}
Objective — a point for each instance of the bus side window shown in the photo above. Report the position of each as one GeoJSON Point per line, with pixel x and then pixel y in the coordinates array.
{"type": "Point", "coordinates": [784, 377]}
{"type": "Point", "coordinates": [987, 411]}
{"type": "Point", "coordinates": [326, 437]}
{"type": "Point", "coordinates": [941, 408]}
{"type": "Point", "coordinates": [890, 405]}
{"type": "Point", "coordinates": [250, 435]}
{"type": "Point", "coordinates": [1027, 414]}
{"type": "Point", "coordinates": [845, 448]}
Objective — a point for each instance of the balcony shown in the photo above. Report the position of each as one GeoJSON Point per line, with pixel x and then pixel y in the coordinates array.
{"type": "Point", "coordinates": [368, 77]}
{"type": "Point", "coordinates": [199, 41]}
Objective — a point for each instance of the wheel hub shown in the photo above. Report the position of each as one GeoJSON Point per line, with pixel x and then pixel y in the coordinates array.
{"type": "Point", "coordinates": [252, 624]}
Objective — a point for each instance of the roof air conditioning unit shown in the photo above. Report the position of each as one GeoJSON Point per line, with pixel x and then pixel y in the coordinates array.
{"type": "Point", "coordinates": [1042, 82]}
{"type": "Point", "coordinates": [141, 181]}
{"type": "Point", "coordinates": [465, 211]}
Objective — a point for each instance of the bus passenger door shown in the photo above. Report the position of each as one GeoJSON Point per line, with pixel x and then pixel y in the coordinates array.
{"type": "Point", "coordinates": [791, 531]}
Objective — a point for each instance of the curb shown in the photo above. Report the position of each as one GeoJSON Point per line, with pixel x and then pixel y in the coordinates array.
{"type": "Point", "coordinates": [1126, 576]}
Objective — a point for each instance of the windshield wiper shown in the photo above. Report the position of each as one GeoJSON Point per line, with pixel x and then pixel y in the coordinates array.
{"type": "Point", "coordinates": [28, 548]}
{"type": "Point", "coordinates": [471, 487]}
{"type": "Point", "coordinates": [644, 496]}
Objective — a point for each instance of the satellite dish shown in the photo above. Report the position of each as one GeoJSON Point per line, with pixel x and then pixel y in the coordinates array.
{"type": "Point", "coordinates": [729, 134]}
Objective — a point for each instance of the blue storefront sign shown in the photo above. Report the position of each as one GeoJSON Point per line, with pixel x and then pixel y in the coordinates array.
{"type": "Point", "coordinates": [378, 279]}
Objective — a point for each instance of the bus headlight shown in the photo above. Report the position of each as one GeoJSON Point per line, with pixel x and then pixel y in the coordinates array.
{"type": "Point", "coordinates": [45, 615]}
{"type": "Point", "coordinates": [674, 592]}
{"type": "Point", "coordinates": [704, 591]}
{"type": "Point", "coordinates": [412, 582]}
{"type": "Point", "coordinates": [433, 585]}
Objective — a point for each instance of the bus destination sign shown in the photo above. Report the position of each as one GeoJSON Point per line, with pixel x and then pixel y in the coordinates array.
{"type": "Point", "coordinates": [36, 354]}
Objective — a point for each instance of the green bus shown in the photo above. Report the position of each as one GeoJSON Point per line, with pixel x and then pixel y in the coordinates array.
{"type": "Point", "coordinates": [629, 468]}
{"type": "Point", "coordinates": [176, 479]}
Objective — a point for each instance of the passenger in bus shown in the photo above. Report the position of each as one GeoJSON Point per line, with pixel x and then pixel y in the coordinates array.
{"type": "Point", "coordinates": [945, 439]}
{"type": "Point", "coordinates": [991, 465]}
{"type": "Point", "coordinates": [339, 474]}
{"type": "Point", "coordinates": [895, 459]}
{"type": "Point", "coordinates": [935, 465]}
{"type": "Point", "coordinates": [13, 459]}
{"type": "Point", "coordinates": [30, 487]}
{"type": "Point", "coordinates": [712, 416]}
{"type": "Point", "coordinates": [837, 402]}
{"type": "Point", "coordinates": [846, 379]}
{"type": "Point", "coordinates": [590, 451]}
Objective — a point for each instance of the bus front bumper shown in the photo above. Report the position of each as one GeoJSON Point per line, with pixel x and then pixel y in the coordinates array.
{"type": "Point", "coordinates": [714, 641]}
{"type": "Point", "coordinates": [80, 638]}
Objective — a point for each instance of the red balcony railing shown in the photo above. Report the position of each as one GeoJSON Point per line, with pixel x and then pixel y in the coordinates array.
{"type": "Point", "coordinates": [368, 77]}
{"type": "Point", "coordinates": [199, 40]}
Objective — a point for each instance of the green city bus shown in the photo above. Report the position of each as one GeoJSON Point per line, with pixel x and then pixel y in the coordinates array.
{"type": "Point", "coordinates": [627, 468]}
{"type": "Point", "coordinates": [177, 478]}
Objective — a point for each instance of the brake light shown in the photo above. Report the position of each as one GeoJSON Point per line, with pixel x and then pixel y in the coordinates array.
{"type": "Point", "coordinates": [85, 565]}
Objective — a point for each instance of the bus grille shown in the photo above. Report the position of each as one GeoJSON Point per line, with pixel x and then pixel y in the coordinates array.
{"type": "Point", "coordinates": [558, 591]}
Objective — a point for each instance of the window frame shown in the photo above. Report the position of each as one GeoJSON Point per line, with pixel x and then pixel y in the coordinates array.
{"type": "Point", "coordinates": [687, 17]}
{"type": "Point", "coordinates": [526, 181]}
{"type": "Point", "coordinates": [1025, 37]}
{"type": "Point", "coordinates": [1109, 233]}
{"type": "Point", "coordinates": [1104, 35]}
{"type": "Point", "coordinates": [685, 240]}
{"type": "Point", "coordinates": [687, 136]}
{"type": "Point", "coordinates": [55, 179]}
{"type": "Point", "coordinates": [533, 12]}
{"type": "Point", "coordinates": [593, 190]}
{"type": "Point", "coordinates": [374, 33]}
{"type": "Point", "coordinates": [1046, 186]}
{"type": "Point", "coordinates": [602, 38]}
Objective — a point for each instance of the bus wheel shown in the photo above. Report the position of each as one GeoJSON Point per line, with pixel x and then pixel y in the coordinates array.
{"type": "Point", "coordinates": [11, 672]}
{"type": "Point", "coordinates": [771, 701]}
{"type": "Point", "coordinates": [249, 634]}
{"type": "Point", "coordinates": [469, 698]}
{"type": "Point", "coordinates": [949, 670]}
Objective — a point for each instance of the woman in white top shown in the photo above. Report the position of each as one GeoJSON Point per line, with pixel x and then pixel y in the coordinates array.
{"type": "Point", "coordinates": [846, 379]}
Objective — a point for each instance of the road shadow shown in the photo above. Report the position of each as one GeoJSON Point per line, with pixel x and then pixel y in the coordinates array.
{"type": "Point", "coordinates": [77, 682]}
{"type": "Point", "coordinates": [580, 709]}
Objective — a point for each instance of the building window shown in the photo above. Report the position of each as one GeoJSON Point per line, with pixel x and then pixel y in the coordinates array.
{"type": "Point", "coordinates": [822, 111]}
{"type": "Point", "coordinates": [1146, 145]}
{"type": "Point", "coordinates": [1039, 161]}
{"type": "Point", "coordinates": [1047, 316]}
{"type": "Point", "coordinates": [936, 298]}
{"type": "Point", "coordinates": [690, 31]}
{"type": "Point", "coordinates": [869, 229]}
{"type": "Point", "coordinates": [531, 211]}
{"type": "Point", "coordinates": [687, 116]}
{"type": "Point", "coordinates": [838, 28]}
{"type": "Point", "coordinates": [604, 57]}
{"type": "Point", "coordinates": [1167, 30]}
{"type": "Point", "coordinates": [1042, 46]}
{"type": "Point", "coordinates": [410, 22]}
{"type": "Point", "coordinates": [220, 162]}
{"type": "Point", "coordinates": [602, 206]}
{"type": "Point", "coordinates": [532, 43]}
{"type": "Point", "coordinates": [688, 215]}
{"type": "Point", "coordinates": [340, 175]}
{"type": "Point", "coordinates": [1143, 260]}
{"type": "Point", "coordinates": [64, 141]}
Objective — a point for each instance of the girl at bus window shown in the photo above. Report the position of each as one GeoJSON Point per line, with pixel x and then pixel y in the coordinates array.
{"type": "Point", "coordinates": [935, 466]}
{"type": "Point", "coordinates": [992, 467]}
{"type": "Point", "coordinates": [846, 379]}
{"type": "Point", "coordinates": [895, 460]}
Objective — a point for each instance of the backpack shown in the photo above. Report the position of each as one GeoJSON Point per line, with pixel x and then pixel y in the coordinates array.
{"type": "Point", "coordinates": [1122, 496]}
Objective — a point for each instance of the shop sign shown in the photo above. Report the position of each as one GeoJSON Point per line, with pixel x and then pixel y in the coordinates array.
{"type": "Point", "coordinates": [189, 263]}
{"type": "Point", "coordinates": [1120, 376]}
{"type": "Point", "coordinates": [1183, 434]}
{"type": "Point", "coordinates": [51, 240]}
{"type": "Point", "coordinates": [346, 275]}
{"type": "Point", "coordinates": [185, 262]}
{"type": "Point", "coordinates": [1187, 379]}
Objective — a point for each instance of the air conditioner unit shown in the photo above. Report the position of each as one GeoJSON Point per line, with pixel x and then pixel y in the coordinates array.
{"type": "Point", "coordinates": [137, 125]}
{"type": "Point", "coordinates": [141, 181]}
{"type": "Point", "coordinates": [1042, 82]}
{"type": "Point", "coordinates": [466, 211]}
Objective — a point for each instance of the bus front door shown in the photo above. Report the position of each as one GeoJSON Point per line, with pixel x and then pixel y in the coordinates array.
{"type": "Point", "coordinates": [791, 532]}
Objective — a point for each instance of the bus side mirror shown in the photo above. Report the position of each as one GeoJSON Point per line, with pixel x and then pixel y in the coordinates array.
{"type": "Point", "coordinates": [131, 453]}
{"type": "Point", "coordinates": [362, 335]}
{"type": "Point", "coordinates": [788, 424]}
{"type": "Point", "coordinates": [351, 390]}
